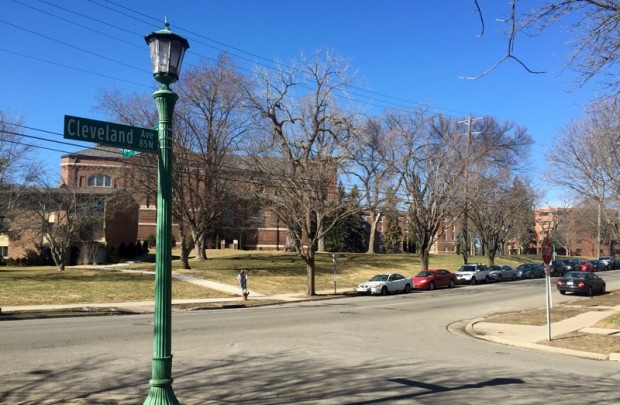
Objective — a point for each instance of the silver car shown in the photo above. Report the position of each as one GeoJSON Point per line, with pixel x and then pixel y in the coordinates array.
{"type": "Point", "coordinates": [502, 273]}
{"type": "Point", "coordinates": [385, 283]}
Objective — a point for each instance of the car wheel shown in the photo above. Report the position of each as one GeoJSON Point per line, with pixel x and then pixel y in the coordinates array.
{"type": "Point", "coordinates": [589, 291]}
{"type": "Point", "coordinates": [562, 292]}
{"type": "Point", "coordinates": [486, 280]}
{"type": "Point", "coordinates": [384, 290]}
{"type": "Point", "coordinates": [431, 286]}
{"type": "Point", "coordinates": [603, 290]}
{"type": "Point", "coordinates": [451, 284]}
{"type": "Point", "coordinates": [407, 289]}
{"type": "Point", "coordinates": [513, 278]}
{"type": "Point", "coordinates": [473, 280]}
{"type": "Point", "coordinates": [500, 278]}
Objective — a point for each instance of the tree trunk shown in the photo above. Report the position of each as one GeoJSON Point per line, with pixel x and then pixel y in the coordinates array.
{"type": "Point", "coordinates": [465, 249]}
{"type": "Point", "coordinates": [321, 245]}
{"type": "Point", "coordinates": [185, 250]}
{"type": "Point", "coordinates": [491, 257]}
{"type": "Point", "coordinates": [371, 237]}
{"type": "Point", "coordinates": [424, 259]}
{"type": "Point", "coordinates": [310, 269]}
{"type": "Point", "coordinates": [199, 245]}
{"type": "Point", "coordinates": [59, 259]}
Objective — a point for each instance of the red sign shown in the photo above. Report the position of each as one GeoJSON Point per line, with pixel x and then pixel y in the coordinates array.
{"type": "Point", "coordinates": [547, 250]}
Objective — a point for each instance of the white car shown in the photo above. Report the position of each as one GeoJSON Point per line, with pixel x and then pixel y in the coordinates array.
{"type": "Point", "coordinates": [385, 283]}
{"type": "Point", "coordinates": [473, 273]}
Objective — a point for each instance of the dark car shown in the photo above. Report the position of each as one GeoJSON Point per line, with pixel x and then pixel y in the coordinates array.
{"type": "Point", "coordinates": [572, 264]}
{"type": "Point", "coordinates": [558, 268]}
{"type": "Point", "coordinates": [598, 265]}
{"type": "Point", "coordinates": [580, 282]}
{"type": "Point", "coordinates": [530, 270]}
{"type": "Point", "coordinates": [607, 261]}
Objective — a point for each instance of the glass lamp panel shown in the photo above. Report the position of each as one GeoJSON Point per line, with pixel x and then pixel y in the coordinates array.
{"type": "Point", "coordinates": [177, 51]}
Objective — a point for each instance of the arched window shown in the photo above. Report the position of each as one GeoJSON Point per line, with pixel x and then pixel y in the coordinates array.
{"type": "Point", "coordinates": [99, 180]}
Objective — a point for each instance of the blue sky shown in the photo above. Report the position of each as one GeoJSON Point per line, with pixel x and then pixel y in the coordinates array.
{"type": "Point", "coordinates": [58, 54]}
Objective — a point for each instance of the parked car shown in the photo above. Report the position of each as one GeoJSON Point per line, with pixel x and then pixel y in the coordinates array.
{"type": "Point", "coordinates": [607, 261]}
{"type": "Point", "coordinates": [558, 268]}
{"type": "Point", "coordinates": [384, 284]}
{"type": "Point", "coordinates": [586, 266]}
{"type": "Point", "coordinates": [530, 270]}
{"type": "Point", "coordinates": [572, 264]}
{"type": "Point", "coordinates": [473, 273]}
{"type": "Point", "coordinates": [615, 264]}
{"type": "Point", "coordinates": [580, 282]}
{"type": "Point", "coordinates": [433, 278]}
{"type": "Point", "coordinates": [598, 265]}
{"type": "Point", "coordinates": [501, 273]}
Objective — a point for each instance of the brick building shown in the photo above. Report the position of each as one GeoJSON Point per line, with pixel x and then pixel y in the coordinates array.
{"type": "Point", "coordinates": [108, 221]}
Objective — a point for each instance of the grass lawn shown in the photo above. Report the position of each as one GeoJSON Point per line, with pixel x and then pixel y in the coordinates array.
{"type": "Point", "coordinates": [269, 273]}
{"type": "Point", "coordinates": [47, 285]}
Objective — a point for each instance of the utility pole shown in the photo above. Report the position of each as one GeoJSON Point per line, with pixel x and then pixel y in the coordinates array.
{"type": "Point", "coordinates": [466, 242]}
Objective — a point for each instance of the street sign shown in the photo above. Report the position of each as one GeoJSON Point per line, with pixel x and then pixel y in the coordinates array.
{"type": "Point", "coordinates": [111, 134]}
{"type": "Point", "coordinates": [547, 250]}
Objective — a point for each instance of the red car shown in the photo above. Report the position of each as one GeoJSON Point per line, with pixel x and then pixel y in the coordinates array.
{"type": "Point", "coordinates": [433, 278]}
{"type": "Point", "coordinates": [585, 265]}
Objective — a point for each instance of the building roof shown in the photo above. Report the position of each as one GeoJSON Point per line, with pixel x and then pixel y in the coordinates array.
{"type": "Point", "coordinates": [98, 151]}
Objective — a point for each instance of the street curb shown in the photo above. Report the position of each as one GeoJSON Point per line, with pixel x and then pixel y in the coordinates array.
{"type": "Point", "coordinates": [469, 328]}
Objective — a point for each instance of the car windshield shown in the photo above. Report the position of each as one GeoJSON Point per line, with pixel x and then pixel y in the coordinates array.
{"type": "Point", "coordinates": [379, 277]}
{"type": "Point", "coordinates": [468, 268]}
{"type": "Point", "coordinates": [424, 274]}
{"type": "Point", "coordinates": [575, 274]}
{"type": "Point", "coordinates": [494, 268]}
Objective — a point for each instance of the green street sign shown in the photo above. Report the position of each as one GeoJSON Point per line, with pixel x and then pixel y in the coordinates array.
{"type": "Point", "coordinates": [111, 134]}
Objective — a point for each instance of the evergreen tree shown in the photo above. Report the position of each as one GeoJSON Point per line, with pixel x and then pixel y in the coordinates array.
{"type": "Point", "coordinates": [391, 233]}
{"type": "Point", "coordinates": [349, 234]}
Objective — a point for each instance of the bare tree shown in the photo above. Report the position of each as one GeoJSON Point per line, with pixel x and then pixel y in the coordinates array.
{"type": "Point", "coordinates": [213, 125]}
{"type": "Point", "coordinates": [428, 162]}
{"type": "Point", "coordinates": [583, 158]}
{"type": "Point", "coordinates": [54, 217]}
{"type": "Point", "coordinates": [594, 51]}
{"type": "Point", "coordinates": [373, 154]}
{"type": "Point", "coordinates": [17, 168]}
{"type": "Point", "coordinates": [304, 148]}
{"type": "Point", "coordinates": [210, 125]}
{"type": "Point", "coordinates": [502, 203]}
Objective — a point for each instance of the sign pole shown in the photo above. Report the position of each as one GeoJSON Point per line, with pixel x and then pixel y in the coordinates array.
{"type": "Point", "coordinates": [334, 260]}
{"type": "Point", "coordinates": [547, 253]}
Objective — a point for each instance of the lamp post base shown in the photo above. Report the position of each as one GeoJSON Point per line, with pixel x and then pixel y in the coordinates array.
{"type": "Point", "coordinates": [161, 395]}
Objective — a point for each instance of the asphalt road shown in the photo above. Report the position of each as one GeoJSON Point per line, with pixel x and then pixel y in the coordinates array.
{"type": "Point", "coordinates": [362, 350]}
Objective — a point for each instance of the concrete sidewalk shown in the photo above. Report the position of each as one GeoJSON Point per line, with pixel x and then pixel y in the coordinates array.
{"type": "Point", "coordinates": [529, 336]}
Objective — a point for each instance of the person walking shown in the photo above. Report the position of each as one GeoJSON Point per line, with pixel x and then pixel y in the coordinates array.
{"type": "Point", "coordinates": [243, 283]}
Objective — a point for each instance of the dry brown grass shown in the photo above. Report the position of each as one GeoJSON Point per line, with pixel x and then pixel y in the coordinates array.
{"type": "Point", "coordinates": [40, 286]}
{"type": "Point", "coordinates": [593, 343]}
{"type": "Point", "coordinates": [588, 342]}
{"type": "Point", "coordinates": [537, 317]}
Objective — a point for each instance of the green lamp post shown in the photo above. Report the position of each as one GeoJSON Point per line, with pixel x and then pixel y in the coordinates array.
{"type": "Point", "coordinates": [167, 50]}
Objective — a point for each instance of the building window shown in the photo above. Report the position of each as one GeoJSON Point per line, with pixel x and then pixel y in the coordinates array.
{"type": "Point", "coordinates": [92, 232]}
{"type": "Point", "coordinates": [4, 251]}
{"type": "Point", "coordinates": [99, 180]}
